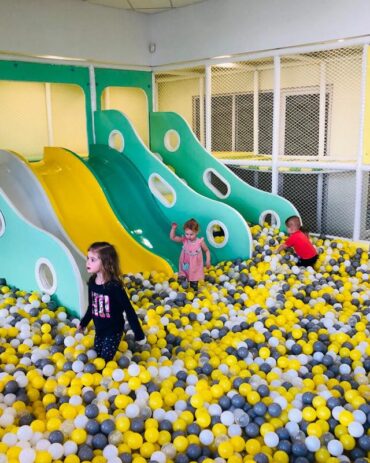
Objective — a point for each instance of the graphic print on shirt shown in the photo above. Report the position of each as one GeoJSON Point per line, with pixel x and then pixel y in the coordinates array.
{"type": "Point", "coordinates": [100, 305]}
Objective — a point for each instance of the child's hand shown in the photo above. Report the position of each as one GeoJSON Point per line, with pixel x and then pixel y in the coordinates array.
{"type": "Point", "coordinates": [174, 225]}
{"type": "Point", "coordinates": [141, 342]}
{"type": "Point", "coordinates": [208, 264]}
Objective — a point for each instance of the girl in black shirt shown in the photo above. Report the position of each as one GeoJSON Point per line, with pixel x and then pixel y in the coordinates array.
{"type": "Point", "coordinates": [107, 301]}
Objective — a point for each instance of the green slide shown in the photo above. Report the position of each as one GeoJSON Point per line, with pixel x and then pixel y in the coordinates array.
{"type": "Point", "coordinates": [146, 196]}
{"type": "Point", "coordinates": [172, 138]}
{"type": "Point", "coordinates": [132, 202]}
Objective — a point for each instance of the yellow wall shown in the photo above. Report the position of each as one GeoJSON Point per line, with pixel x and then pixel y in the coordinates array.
{"type": "Point", "coordinates": [23, 119]}
{"type": "Point", "coordinates": [133, 103]}
{"type": "Point", "coordinates": [177, 96]}
{"type": "Point", "coordinates": [69, 117]}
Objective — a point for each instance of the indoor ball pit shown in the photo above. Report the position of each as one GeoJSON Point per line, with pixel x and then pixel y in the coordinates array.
{"type": "Point", "coordinates": [267, 362]}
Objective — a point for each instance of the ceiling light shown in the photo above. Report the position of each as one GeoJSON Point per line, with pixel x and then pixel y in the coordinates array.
{"type": "Point", "coordinates": [64, 58]}
{"type": "Point", "coordinates": [225, 65]}
{"type": "Point", "coordinates": [222, 57]}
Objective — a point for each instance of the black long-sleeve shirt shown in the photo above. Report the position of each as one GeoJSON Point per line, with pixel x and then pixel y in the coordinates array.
{"type": "Point", "coordinates": [107, 303]}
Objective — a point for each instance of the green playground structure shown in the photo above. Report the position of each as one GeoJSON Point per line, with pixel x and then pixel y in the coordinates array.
{"type": "Point", "coordinates": [147, 196]}
{"type": "Point", "coordinates": [172, 138]}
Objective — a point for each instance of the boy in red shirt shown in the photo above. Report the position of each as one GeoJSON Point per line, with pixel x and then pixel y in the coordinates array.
{"type": "Point", "coordinates": [300, 242]}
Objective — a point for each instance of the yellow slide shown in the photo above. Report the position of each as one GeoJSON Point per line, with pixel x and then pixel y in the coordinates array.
{"type": "Point", "coordinates": [85, 213]}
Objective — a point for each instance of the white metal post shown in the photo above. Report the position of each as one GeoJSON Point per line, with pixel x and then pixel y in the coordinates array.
{"type": "Point", "coordinates": [322, 111]}
{"type": "Point", "coordinates": [276, 126]}
{"type": "Point", "coordinates": [320, 200]}
{"type": "Point", "coordinates": [233, 124]}
{"type": "Point", "coordinates": [93, 97]}
{"type": "Point", "coordinates": [201, 110]}
{"type": "Point", "coordinates": [255, 111]}
{"type": "Point", "coordinates": [154, 93]}
{"type": "Point", "coordinates": [208, 108]}
{"type": "Point", "coordinates": [49, 114]}
{"type": "Point", "coordinates": [358, 195]}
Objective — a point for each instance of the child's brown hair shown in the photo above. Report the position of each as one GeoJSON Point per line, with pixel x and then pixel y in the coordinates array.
{"type": "Point", "coordinates": [192, 225]}
{"type": "Point", "coordinates": [295, 220]}
{"type": "Point", "coordinates": [109, 259]}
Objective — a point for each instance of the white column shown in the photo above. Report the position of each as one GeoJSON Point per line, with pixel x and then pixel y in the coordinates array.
{"type": "Point", "coordinates": [233, 124]}
{"type": "Point", "coordinates": [154, 93]}
{"type": "Point", "coordinates": [320, 199]}
{"type": "Point", "coordinates": [208, 108]}
{"type": "Point", "coordinates": [49, 114]}
{"type": "Point", "coordinates": [93, 97]}
{"type": "Point", "coordinates": [201, 110]}
{"type": "Point", "coordinates": [255, 111]}
{"type": "Point", "coordinates": [359, 172]}
{"type": "Point", "coordinates": [322, 110]}
{"type": "Point", "coordinates": [276, 126]}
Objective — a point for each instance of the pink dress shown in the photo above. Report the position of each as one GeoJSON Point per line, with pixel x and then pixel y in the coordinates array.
{"type": "Point", "coordinates": [191, 259]}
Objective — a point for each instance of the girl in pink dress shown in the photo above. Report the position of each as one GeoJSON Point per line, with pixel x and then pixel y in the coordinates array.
{"type": "Point", "coordinates": [191, 257]}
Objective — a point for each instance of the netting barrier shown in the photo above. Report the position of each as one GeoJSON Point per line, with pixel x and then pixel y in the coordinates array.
{"type": "Point", "coordinates": [317, 118]}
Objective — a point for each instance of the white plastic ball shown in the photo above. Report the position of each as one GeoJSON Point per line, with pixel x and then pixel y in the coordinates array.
{"type": "Point", "coordinates": [271, 439]}
{"type": "Point", "coordinates": [133, 370]}
{"type": "Point", "coordinates": [110, 451]}
{"type": "Point", "coordinates": [27, 456]}
{"type": "Point", "coordinates": [227, 418]}
{"type": "Point", "coordinates": [335, 447]}
{"type": "Point", "coordinates": [70, 447]}
{"type": "Point", "coordinates": [25, 433]}
{"type": "Point", "coordinates": [312, 443]}
{"type": "Point", "coordinates": [158, 456]}
{"type": "Point", "coordinates": [206, 437]}
{"type": "Point", "coordinates": [355, 429]}
{"type": "Point", "coordinates": [118, 375]}
{"type": "Point", "coordinates": [9, 439]}
{"type": "Point", "coordinates": [56, 450]}
{"type": "Point", "coordinates": [295, 415]}
{"type": "Point", "coordinates": [132, 411]}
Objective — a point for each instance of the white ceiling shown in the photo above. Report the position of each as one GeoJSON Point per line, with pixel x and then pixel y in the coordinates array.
{"type": "Point", "coordinates": [145, 6]}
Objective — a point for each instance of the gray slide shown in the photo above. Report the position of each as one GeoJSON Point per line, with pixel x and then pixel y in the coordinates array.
{"type": "Point", "coordinates": [25, 191]}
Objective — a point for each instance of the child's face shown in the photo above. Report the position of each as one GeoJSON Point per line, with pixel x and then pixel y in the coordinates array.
{"type": "Point", "coordinates": [292, 227]}
{"type": "Point", "coordinates": [190, 234]}
{"type": "Point", "coordinates": [93, 262]}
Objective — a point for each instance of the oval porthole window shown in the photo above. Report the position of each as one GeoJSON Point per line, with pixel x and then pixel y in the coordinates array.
{"type": "Point", "coordinates": [162, 190]}
{"type": "Point", "coordinates": [2, 224]}
{"type": "Point", "coordinates": [216, 183]}
{"type": "Point", "coordinates": [217, 234]}
{"type": "Point", "coordinates": [269, 217]}
{"type": "Point", "coordinates": [171, 140]}
{"type": "Point", "coordinates": [45, 275]}
{"type": "Point", "coordinates": [116, 140]}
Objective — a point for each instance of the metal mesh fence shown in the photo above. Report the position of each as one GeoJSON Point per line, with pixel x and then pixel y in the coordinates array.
{"type": "Point", "coordinates": [183, 91]}
{"type": "Point", "coordinates": [320, 104]}
{"type": "Point", "coordinates": [319, 198]}
{"type": "Point", "coordinates": [259, 177]}
{"type": "Point", "coordinates": [317, 195]}
{"type": "Point", "coordinates": [320, 110]}
{"type": "Point", "coordinates": [242, 106]}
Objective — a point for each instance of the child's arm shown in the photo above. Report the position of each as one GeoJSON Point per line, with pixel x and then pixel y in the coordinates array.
{"type": "Point", "coordinates": [280, 248]}
{"type": "Point", "coordinates": [132, 317]}
{"type": "Point", "coordinates": [85, 320]}
{"type": "Point", "coordinates": [173, 236]}
{"type": "Point", "coordinates": [207, 253]}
